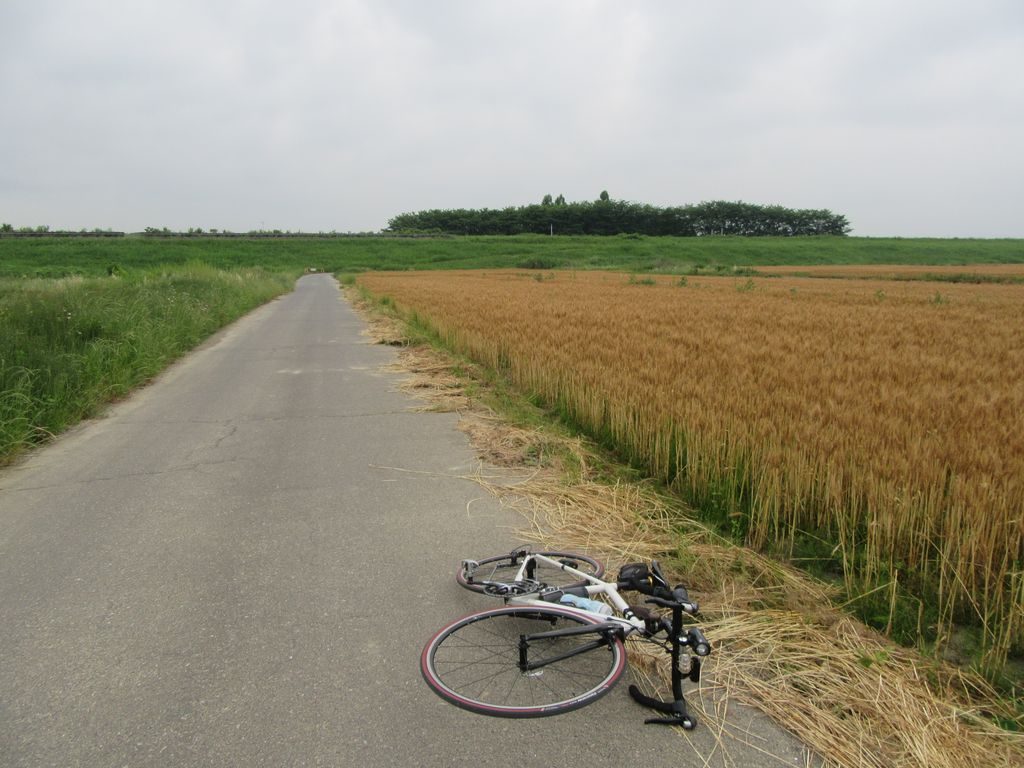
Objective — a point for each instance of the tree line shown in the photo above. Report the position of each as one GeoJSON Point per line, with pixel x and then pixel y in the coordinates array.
{"type": "Point", "coordinates": [9, 230]}
{"type": "Point", "coordinates": [606, 216]}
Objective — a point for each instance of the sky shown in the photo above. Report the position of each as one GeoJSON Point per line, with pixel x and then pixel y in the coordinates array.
{"type": "Point", "coordinates": [907, 116]}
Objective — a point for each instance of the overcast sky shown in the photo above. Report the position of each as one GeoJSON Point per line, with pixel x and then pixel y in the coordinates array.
{"type": "Point", "coordinates": [907, 116]}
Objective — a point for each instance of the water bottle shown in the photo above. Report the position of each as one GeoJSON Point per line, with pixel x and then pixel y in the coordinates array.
{"type": "Point", "coordinates": [586, 604]}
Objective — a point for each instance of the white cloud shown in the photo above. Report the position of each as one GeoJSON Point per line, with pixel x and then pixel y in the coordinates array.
{"type": "Point", "coordinates": [338, 115]}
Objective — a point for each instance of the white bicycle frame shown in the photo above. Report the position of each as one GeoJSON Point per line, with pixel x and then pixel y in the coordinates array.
{"type": "Point", "coordinates": [629, 621]}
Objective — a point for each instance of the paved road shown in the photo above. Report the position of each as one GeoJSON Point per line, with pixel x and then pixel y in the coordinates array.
{"type": "Point", "coordinates": [224, 571]}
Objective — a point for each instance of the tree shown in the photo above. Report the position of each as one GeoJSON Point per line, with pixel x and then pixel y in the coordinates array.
{"type": "Point", "coordinates": [609, 217]}
{"type": "Point", "coordinates": [604, 198]}
{"type": "Point", "coordinates": [546, 200]}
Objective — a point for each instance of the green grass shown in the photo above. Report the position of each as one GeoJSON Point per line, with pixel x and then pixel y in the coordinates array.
{"type": "Point", "coordinates": [68, 346]}
{"type": "Point", "coordinates": [58, 257]}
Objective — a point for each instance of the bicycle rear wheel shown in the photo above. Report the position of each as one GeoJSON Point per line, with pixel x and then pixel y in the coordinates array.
{"type": "Point", "coordinates": [503, 568]}
{"type": "Point", "coordinates": [474, 663]}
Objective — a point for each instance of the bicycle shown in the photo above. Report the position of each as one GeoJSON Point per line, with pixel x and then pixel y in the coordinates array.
{"type": "Point", "coordinates": [553, 646]}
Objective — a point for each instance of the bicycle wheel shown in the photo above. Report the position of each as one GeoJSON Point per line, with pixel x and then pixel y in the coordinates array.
{"type": "Point", "coordinates": [474, 663]}
{"type": "Point", "coordinates": [504, 568]}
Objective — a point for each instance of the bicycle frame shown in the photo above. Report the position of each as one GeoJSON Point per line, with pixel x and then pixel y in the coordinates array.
{"type": "Point", "coordinates": [627, 622]}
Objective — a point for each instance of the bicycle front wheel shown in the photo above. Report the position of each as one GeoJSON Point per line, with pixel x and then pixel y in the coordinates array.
{"type": "Point", "coordinates": [503, 568]}
{"type": "Point", "coordinates": [474, 663]}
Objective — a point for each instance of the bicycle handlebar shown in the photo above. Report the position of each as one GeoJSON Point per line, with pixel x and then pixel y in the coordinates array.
{"type": "Point", "coordinates": [691, 608]}
{"type": "Point", "coordinates": [659, 595]}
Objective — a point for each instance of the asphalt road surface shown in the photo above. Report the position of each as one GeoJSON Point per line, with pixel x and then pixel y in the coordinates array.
{"type": "Point", "coordinates": [239, 566]}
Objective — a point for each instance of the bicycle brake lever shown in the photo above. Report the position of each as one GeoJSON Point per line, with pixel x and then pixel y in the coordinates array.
{"type": "Point", "coordinates": [676, 710]}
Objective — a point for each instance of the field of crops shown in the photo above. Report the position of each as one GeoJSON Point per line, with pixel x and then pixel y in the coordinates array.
{"type": "Point", "coordinates": [961, 273]}
{"type": "Point", "coordinates": [872, 424]}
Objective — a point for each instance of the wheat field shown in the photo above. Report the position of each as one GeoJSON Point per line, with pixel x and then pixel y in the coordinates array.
{"type": "Point", "coordinates": [881, 417]}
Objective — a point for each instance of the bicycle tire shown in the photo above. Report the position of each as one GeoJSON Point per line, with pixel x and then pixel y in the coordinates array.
{"type": "Point", "coordinates": [503, 568]}
{"type": "Point", "coordinates": [473, 663]}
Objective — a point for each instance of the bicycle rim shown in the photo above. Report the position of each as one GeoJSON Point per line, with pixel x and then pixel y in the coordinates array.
{"type": "Point", "coordinates": [473, 663]}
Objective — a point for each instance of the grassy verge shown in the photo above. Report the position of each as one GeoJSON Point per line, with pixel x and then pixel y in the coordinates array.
{"type": "Point", "coordinates": [782, 643]}
{"type": "Point", "coordinates": [68, 346]}
{"type": "Point", "coordinates": [56, 257]}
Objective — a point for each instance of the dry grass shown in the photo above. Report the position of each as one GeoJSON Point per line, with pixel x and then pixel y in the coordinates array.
{"type": "Point", "coordinates": [853, 697]}
{"type": "Point", "coordinates": [430, 378]}
{"type": "Point", "coordinates": [381, 327]}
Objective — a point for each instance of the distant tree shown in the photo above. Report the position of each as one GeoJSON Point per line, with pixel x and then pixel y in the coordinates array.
{"type": "Point", "coordinates": [609, 217]}
{"type": "Point", "coordinates": [604, 198]}
{"type": "Point", "coordinates": [6, 228]}
{"type": "Point", "coordinates": [546, 200]}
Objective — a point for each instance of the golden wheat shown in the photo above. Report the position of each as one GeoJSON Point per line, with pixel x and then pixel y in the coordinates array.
{"type": "Point", "coordinates": [884, 414]}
